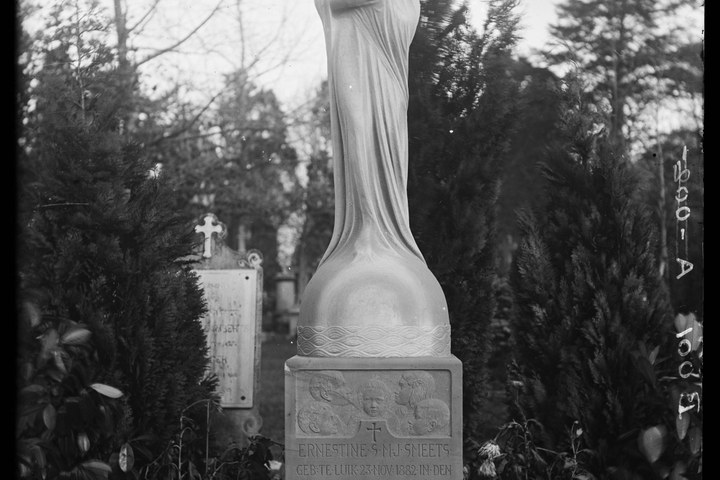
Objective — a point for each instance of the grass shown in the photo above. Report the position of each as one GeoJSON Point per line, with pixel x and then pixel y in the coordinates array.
{"type": "Point", "coordinates": [275, 350]}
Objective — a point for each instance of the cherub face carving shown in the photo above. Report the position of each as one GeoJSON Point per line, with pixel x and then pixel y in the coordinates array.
{"type": "Point", "coordinates": [319, 419]}
{"type": "Point", "coordinates": [373, 397]}
{"type": "Point", "coordinates": [431, 415]}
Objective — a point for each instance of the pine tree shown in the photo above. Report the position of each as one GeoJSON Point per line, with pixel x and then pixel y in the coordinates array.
{"type": "Point", "coordinates": [318, 198]}
{"type": "Point", "coordinates": [461, 112]}
{"type": "Point", "coordinates": [99, 247]}
{"type": "Point", "coordinates": [540, 107]}
{"type": "Point", "coordinates": [630, 55]}
{"type": "Point", "coordinates": [588, 299]}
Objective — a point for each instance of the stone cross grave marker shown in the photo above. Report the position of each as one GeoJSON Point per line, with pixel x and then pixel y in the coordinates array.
{"type": "Point", "coordinates": [207, 229]}
{"type": "Point", "coordinates": [232, 286]}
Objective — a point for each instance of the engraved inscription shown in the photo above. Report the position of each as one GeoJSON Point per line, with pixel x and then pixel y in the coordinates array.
{"type": "Point", "coordinates": [374, 429]}
{"type": "Point", "coordinates": [420, 471]}
{"type": "Point", "coordinates": [374, 453]}
{"type": "Point", "coordinates": [230, 324]}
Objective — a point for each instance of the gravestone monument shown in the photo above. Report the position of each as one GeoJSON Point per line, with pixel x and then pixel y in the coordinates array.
{"type": "Point", "coordinates": [232, 286]}
{"type": "Point", "coordinates": [373, 392]}
{"type": "Point", "coordinates": [286, 311]}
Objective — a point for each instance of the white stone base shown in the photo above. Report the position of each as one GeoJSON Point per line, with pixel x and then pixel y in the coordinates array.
{"type": "Point", "coordinates": [373, 418]}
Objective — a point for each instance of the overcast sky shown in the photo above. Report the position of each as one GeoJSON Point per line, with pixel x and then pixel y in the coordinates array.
{"type": "Point", "coordinates": [284, 36]}
{"type": "Point", "coordinates": [308, 68]}
{"type": "Point", "coordinates": [287, 32]}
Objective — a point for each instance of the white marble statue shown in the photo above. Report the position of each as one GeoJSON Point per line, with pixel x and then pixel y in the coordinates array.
{"type": "Point", "coordinates": [367, 48]}
{"type": "Point", "coordinates": [372, 282]}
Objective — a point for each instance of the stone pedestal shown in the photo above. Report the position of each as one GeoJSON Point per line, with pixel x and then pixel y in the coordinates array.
{"type": "Point", "coordinates": [373, 418]}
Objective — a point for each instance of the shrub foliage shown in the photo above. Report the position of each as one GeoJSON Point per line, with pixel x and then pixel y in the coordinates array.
{"type": "Point", "coordinates": [590, 306]}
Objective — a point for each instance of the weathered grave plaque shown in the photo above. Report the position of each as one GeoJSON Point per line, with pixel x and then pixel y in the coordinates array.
{"type": "Point", "coordinates": [229, 324]}
{"type": "Point", "coordinates": [232, 285]}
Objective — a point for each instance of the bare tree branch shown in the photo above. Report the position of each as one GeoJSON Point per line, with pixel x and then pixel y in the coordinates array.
{"type": "Point", "coordinates": [145, 17]}
{"type": "Point", "coordinates": [220, 131]}
{"type": "Point", "coordinates": [182, 40]}
{"type": "Point", "coordinates": [272, 41]}
{"type": "Point", "coordinates": [183, 128]}
{"type": "Point", "coordinates": [238, 6]}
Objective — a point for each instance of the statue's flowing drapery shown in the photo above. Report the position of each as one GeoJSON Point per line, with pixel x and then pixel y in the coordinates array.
{"type": "Point", "coordinates": [367, 47]}
{"type": "Point", "coordinates": [372, 294]}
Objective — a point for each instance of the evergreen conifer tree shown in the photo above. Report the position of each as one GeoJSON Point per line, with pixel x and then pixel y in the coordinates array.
{"type": "Point", "coordinates": [461, 113]}
{"type": "Point", "coordinates": [540, 107]}
{"type": "Point", "coordinates": [98, 247]}
{"type": "Point", "coordinates": [632, 55]}
{"type": "Point", "coordinates": [588, 299]}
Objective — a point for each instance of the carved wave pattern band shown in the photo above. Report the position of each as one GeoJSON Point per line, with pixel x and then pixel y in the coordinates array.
{"type": "Point", "coordinates": [373, 341]}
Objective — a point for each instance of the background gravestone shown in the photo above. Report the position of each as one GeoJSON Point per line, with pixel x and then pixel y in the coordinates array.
{"type": "Point", "coordinates": [286, 306]}
{"type": "Point", "coordinates": [232, 285]}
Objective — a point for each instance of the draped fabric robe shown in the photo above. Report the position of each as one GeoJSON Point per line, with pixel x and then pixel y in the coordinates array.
{"type": "Point", "coordinates": [367, 48]}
